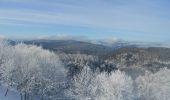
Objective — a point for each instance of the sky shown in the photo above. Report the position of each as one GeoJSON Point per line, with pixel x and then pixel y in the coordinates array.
{"type": "Point", "coordinates": [129, 20]}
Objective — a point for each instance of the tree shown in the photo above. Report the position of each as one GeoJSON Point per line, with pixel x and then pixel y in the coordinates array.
{"type": "Point", "coordinates": [114, 86]}
{"type": "Point", "coordinates": [154, 86]}
{"type": "Point", "coordinates": [31, 70]}
{"type": "Point", "coordinates": [101, 86]}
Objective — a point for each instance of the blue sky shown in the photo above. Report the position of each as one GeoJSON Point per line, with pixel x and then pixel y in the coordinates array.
{"type": "Point", "coordinates": [130, 20]}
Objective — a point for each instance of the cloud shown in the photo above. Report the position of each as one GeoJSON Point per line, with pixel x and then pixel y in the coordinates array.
{"type": "Point", "coordinates": [102, 41]}
{"type": "Point", "coordinates": [106, 41]}
{"type": "Point", "coordinates": [64, 37]}
{"type": "Point", "coordinates": [2, 37]}
{"type": "Point", "coordinates": [140, 16]}
{"type": "Point", "coordinates": [142, 20]}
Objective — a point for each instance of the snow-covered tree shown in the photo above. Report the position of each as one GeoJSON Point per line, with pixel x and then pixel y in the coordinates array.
{"type": "Point", "coordinates": [154, 86]}
{"type": "Point", "coordinates": [101, 86]}
{"type": "Point", "coordinates": [81, 86]}
{"type": "Point", "coordinates": [31, 70]}
{"type": "Point", "coordinates": [114, 86]}
{"type": "Point", "coordinates": [76, 62]}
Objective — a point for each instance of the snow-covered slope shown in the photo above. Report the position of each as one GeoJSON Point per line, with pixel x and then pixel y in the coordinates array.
{"type": "Point", "coordinates": [12, 95]}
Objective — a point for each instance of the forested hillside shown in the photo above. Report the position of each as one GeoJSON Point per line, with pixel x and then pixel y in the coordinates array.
{"type": "Point", "coordinates": [124, 73]}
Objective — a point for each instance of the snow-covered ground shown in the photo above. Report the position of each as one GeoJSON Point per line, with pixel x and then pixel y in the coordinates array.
{"type": "Point", "coordinates": [12, 95]}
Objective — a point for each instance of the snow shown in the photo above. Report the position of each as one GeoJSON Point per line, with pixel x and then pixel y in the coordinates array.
{"type": "Point", "coordinates": [12, 95]}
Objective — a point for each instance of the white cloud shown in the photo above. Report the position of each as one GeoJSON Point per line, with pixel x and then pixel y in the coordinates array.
{"type": "Point", "coordinates": [64, 37]}
{"type": "Point", "coordinates": [2, 37]}
{"type": "Point", "coordinates": [106, 41]}
{"type": "Point", "coordinates": [103, 41]}
{"type": "Point", "coordinates": [140, 16]}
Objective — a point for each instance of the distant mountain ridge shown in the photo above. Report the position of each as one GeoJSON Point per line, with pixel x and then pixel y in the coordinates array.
{"type": "Point", "coordinates": [124, 56]}
{"type": "Point", "coordinates": [73, 46]}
